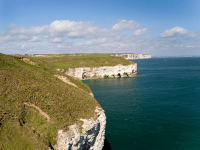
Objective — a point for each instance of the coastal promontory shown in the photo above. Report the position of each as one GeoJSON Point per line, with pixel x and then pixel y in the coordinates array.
{"type": "Point", "coordinates": [43, 106]}
{"type": "Point", "coordinates": [39, 110]}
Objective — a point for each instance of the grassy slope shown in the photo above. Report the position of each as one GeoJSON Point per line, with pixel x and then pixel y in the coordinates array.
{"type": "Point", "coordinates": [85, 60]}
{"type": "Point", "coordinates": [23, 127]}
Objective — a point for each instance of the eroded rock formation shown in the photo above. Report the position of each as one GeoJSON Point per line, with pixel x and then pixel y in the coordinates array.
{"type": "Point", "coordinates": [101, 72]}
{"type": "Point", "coordinates": [89, 136]}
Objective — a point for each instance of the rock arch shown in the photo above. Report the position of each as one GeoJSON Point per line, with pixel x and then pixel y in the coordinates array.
{"type": "Point", "coordinates": [84, 75]}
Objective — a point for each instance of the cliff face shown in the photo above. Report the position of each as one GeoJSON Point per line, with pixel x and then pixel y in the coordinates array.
{"type": "Point", "coordinates": [90, 136]}
{"type": "Point", "coordinates": [132, 56]}
{"type": "Point", "coordinates": [100, 72]}
{"type": "Point", "coordinates": [137, 56]}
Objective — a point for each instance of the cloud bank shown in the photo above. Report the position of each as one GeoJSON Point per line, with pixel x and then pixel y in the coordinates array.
{"type": "Point", "coordinates": [65, 36]}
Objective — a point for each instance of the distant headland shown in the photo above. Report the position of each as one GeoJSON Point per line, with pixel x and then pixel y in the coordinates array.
{"type": "Point", "coordinates": [132, 56]}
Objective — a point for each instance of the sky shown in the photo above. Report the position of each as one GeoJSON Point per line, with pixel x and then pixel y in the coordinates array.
{"type": "Point", "coordinates": [156, 27]}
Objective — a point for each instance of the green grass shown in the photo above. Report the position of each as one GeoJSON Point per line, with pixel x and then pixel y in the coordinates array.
{"type": "Point", "coordinates": [51, 68]}
{"type": "Point", "coordinates": [83, 60]}
{"type": "Point", "coordinates": [23, 127]}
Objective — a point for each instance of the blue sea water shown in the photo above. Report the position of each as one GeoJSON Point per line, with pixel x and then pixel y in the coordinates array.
{"type": "Point", "coordinates": [158, 109]}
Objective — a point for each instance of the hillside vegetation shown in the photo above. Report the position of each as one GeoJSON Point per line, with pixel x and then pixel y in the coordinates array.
{"type": "Point", "coordinates": [34, 104]}
{"type": "Point", "coordinates": [82, 60]}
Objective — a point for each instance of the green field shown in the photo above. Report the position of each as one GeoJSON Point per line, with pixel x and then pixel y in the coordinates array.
{"type": "Point", "coordinates": [82, 60]}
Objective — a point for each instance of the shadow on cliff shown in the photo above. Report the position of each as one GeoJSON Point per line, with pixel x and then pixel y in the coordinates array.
{"type": "Point", "coordinates": [106, 145]}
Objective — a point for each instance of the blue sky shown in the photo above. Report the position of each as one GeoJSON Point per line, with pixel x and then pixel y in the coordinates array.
{"type": "Point", "coordinates": [159, 28]}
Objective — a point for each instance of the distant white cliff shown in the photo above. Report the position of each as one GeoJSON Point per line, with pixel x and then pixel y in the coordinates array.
{"type": "Point", "coordinates": [132, 56]}
{"type": "Point", "coordinates": [101, 72]}
{"type": "Point", "coordinates": [89, 136]}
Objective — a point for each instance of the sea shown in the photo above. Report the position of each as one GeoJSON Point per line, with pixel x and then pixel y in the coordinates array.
{"type": "Point", "coordinates": [157, 109]}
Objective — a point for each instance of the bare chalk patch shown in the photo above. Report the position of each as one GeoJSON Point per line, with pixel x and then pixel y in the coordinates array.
{"type": "Point", "coordinates": [27, 60]}
{"type": "Point", "coordinates": [40, 110]}
{"type": "Point", "coordinates": [64, 79]}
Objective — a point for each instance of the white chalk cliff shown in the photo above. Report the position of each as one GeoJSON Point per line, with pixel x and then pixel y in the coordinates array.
{"type": "Point", "coordinates": [89, 136]}
{"type": "Point", "coordinates": [100, 72]}
{"type": "Point", "coordinates": [132, 56]}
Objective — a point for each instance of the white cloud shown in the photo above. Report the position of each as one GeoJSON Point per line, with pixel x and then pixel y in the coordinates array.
{"type": "Point", "coordinates": [8, 38]}
{"type": "Point", "coordinates": [21, 37]}
{"type": "Point", "coordinates": [173, 31]}
{"type": "Point", "coordinates": [16, 30]}
{"type": "Point", "coordinates": [64, 36]}
{"type": "Point", "coordinates": [97, 41]}
{"type": "Point", "coordinates": [141, 31]}
{"type": "Point", "coordinates": [34, 39]}
{"type": "Point", "coordinates": [192, 35]}
{"type": "Point", "coordinates": [58, 30]}
{"type": "Point", "coordinates": [56, 40]}
{"type": "Point", "coordinates": [126, 25]}
{"type": "Point", "coordinates": [128, 39]}
{"type": "Point", "coordinates": [72, 29]}
{"type": "Point", "coordinates": [55, 31]}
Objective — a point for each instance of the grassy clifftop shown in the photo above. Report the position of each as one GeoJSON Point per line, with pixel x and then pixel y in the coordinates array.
{"type": "Point", "coordinates": [83, 60]}
{"type": "Point", "coordinates": [34, 104]}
